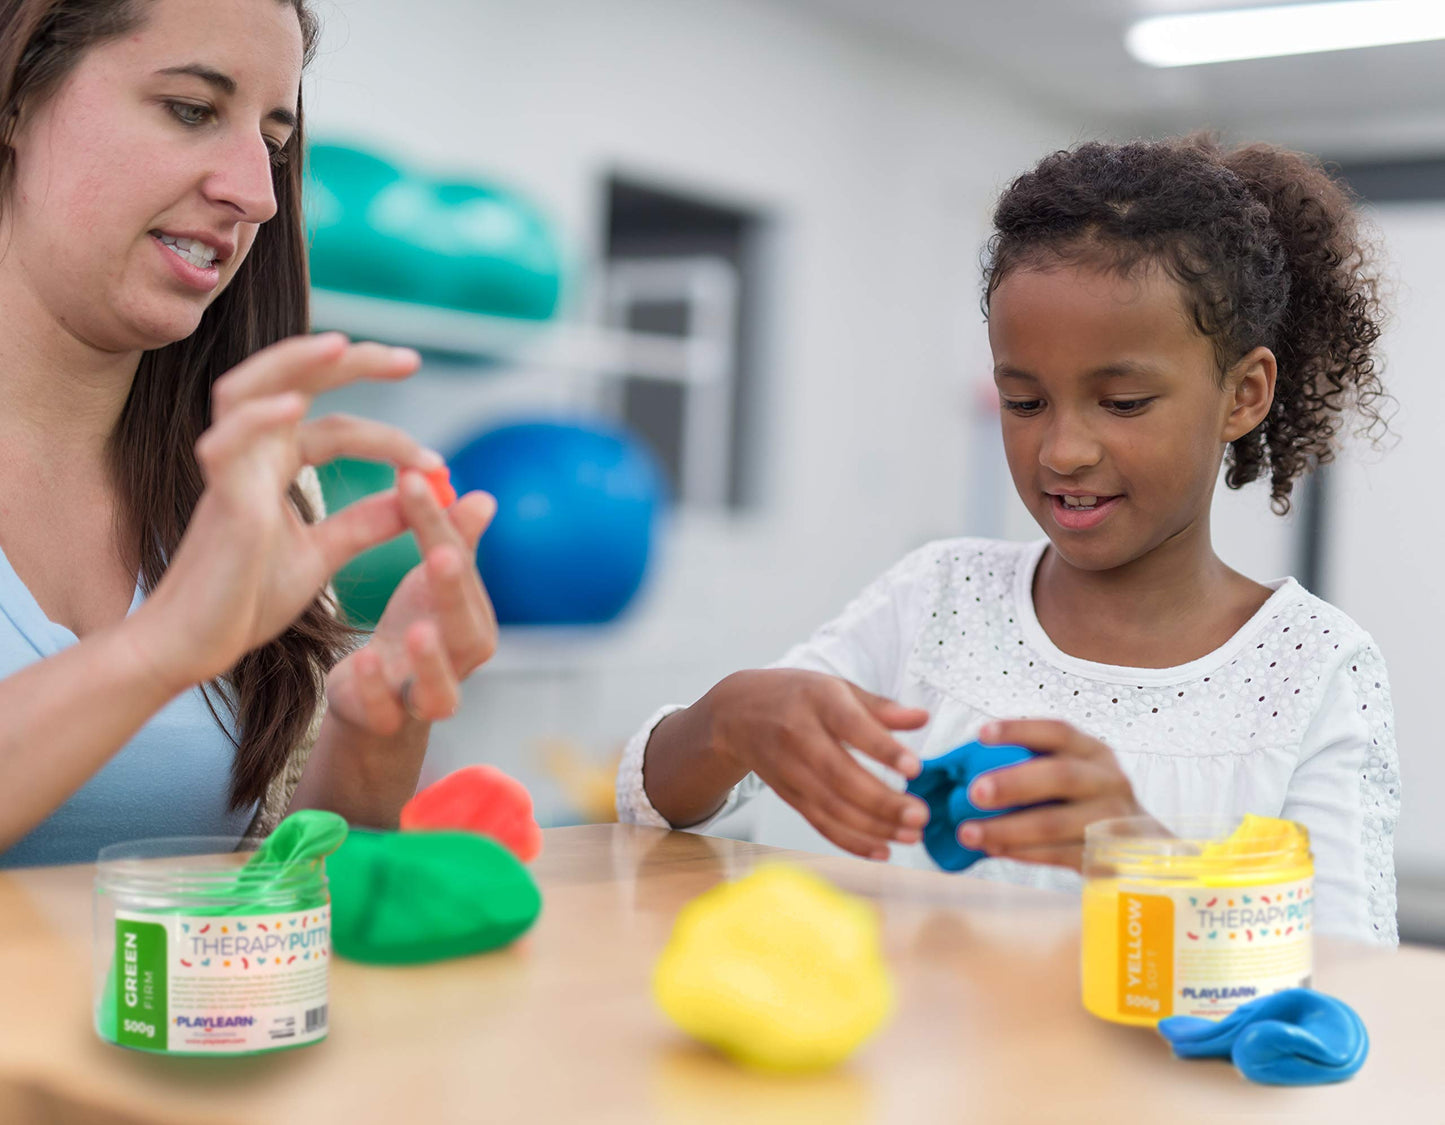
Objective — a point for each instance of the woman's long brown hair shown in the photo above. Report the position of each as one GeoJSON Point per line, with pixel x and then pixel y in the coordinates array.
{"type": "Point", "coordinates": [272, 694]}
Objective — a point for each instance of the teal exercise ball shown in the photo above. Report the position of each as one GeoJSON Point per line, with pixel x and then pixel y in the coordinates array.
{"type": "Point", "coordinates": [578, 511]}
{"type": "Point", "coordinates": [378, 230]}
{"type": "Point", "coordinates": [364, 585]}
{"type": "Point", "coordinates": [360, 212]}
{"type": "Point", "coordinates": [494, 253]}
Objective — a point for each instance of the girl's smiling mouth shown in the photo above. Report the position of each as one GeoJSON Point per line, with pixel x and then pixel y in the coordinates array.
{"type": "Point", "coordinates": [1081, 511]}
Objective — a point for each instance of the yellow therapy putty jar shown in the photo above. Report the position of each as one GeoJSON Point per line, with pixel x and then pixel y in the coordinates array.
{"type": "Point", "coordinates": [1197, 922]}
{"type": "Point", "coordinates": [200, 952]}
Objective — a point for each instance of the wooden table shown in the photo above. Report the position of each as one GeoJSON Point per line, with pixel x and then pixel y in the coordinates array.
{"type": "Point", "coordinates": [561, 1026]}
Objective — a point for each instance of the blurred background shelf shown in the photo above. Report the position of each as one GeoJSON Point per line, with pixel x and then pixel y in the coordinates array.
{"type": "Point", "coordinates": [555, 345]}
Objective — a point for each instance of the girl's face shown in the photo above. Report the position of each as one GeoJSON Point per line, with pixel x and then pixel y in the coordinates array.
{"type": "Point", "coordinates": [140, 184]}
{"type": "Point", "coordinates": [1114, 419]}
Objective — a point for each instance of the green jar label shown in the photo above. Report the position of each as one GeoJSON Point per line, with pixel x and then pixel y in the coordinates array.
{"type": "Point", "coordinates": [231, 984]}
{"type": "Point", "coordinates": [140, 983]}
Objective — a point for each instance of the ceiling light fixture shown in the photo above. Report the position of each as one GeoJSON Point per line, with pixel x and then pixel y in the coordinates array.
{"type": "Point", "coordinates": [1290, 29]}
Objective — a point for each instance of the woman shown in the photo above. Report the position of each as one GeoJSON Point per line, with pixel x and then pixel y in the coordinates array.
{"type": "Point", "coordinates": [171, 661]}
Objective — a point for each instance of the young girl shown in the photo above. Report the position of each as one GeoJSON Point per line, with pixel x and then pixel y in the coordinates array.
{"type": "Point", "coordinates": [1152, 309]}
{"type": "Point", "coordinates": [169, 662]}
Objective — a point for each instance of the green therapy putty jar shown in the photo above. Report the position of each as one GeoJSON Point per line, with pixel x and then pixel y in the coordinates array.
{"type": "Point", "coordinates": [201, 949]}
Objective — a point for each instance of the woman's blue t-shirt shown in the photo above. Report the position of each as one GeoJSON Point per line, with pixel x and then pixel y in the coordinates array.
{"type": "Point", "coordinates": [171, 779]}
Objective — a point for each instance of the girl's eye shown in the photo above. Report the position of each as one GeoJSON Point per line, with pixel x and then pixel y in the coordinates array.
{"type": "Point", "coordinates": [1022, 406]}
{"type": "Point", "coordinates": [277, 151]}
{"type": "Point", "coordinates": [188, 113]}
{"type": "Point", "coordinates": [1128, 405]}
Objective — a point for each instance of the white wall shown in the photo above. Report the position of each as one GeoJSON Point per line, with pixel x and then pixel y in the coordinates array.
{"type": "Point", "coordinates": [881, 167]}
{"type": "Point", "coordinates": [1387, 539]}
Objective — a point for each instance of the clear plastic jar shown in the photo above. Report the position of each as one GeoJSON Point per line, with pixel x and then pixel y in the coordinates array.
{"type": "Point", "coordinates": [199, 953]}
{"type": "Point", "coordinates": [1196, 921]}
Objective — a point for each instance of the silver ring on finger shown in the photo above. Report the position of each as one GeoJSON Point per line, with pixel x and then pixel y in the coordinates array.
{"type": "Point", "coordinates": [405, 692]}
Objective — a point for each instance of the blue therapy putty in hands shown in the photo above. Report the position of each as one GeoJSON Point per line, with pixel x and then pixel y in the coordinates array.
{"type": "Point", "coordinates": [1293, 1038]}
{"type": "Point", "coordinates": [943, 783]}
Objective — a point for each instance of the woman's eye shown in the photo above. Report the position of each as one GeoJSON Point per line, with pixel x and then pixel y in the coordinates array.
{"type": "Point", "coordinates": [1128, 405]}
{"type": "Point", "coordinates": [188, 113]}
{"type": "Point", "coordinates": [1022, 406]}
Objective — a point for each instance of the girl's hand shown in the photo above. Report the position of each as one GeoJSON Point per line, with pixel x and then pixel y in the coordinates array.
{"type": "Point", "coordinates": [437, 628]}
{"type": "Point", "coordinates": [792, 728]}
{"type": "Point", "coordinates": [1079, 774]}
{"type": "Point", "coordinates": [248, 564]}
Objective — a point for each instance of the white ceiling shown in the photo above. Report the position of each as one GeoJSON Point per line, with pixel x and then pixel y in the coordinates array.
{"type": "Point", "coordinates": [1069, 55]}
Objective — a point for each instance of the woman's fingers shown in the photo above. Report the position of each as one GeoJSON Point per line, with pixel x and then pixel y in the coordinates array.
{"type": "Point", "coordinates": [358, 527]}
{"type": "Point", "coordinates": [377, 699]}
{"type": "Point", "coordinates": [273, 370]}
{"type": "Point", "coordinates": [227, 442]}
{"type": "Point", "coordinates": [433, 693]}
{"type": "Point", "coordinates": [342, 435]}
{"type": "Point", "coordinates": [462, 610]}
{"type": "Point", "coordinates": [426, 517]}
{"type": "Point", "coordinates": [310, 365]}
{"type": "Point", "coordinates": [467, 636]}
{"type": "Point", "coordinates": [471, 516]}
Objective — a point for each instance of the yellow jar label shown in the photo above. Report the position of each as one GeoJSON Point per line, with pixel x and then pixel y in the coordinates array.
{"type": "Point", "coordinates": [1203, 951]}
{"type": "Point", "coordinates": [1146, 954]}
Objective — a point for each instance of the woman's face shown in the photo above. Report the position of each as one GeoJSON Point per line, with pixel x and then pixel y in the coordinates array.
{"type": "Point", "coordinates": [140, 184]}
{"type": "Point", "coordinates": [1114, 417]}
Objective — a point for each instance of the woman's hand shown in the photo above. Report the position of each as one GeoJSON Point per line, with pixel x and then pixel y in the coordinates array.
{"type": "Point", "coordinates": [248, 564]}
{"type": "Point", "coordinates": [1075, 777]}
{"type": "Point", "coordinates": [437, 628]}
{"type": "Point", "coordinates": [793, 729]}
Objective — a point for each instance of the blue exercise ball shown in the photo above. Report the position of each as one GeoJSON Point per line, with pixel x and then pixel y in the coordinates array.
{"type": "Point", "coordinates": [577, 511]}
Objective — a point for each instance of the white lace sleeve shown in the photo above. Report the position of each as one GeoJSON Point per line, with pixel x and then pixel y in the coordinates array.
{"type": "Point", "coordinates": [633, 805]}
{"type": "Point", "coordinates": [1346, 791]}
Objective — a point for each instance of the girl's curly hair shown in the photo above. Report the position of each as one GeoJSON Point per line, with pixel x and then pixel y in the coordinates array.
{"type": "Point", "coordinates": [1267, 246]}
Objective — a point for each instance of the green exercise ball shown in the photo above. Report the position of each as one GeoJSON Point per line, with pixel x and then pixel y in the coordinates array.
{"type": "Point", "coordinates": [360, 211]}
{"type": "Point", "coordinates": [494, 253]}
{"type": "Point", "coordinates": [365, 585]}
